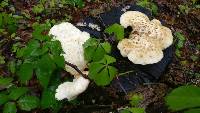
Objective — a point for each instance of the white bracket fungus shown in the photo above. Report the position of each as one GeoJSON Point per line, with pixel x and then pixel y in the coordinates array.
{"type": "Point", "coordinates": [71, 39]}
{"type": "Point", "coordinates": [71, 90]}
{"type": "Point", "coordinates": [147, 39]}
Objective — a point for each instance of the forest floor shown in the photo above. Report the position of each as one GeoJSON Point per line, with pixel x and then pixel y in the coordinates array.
{"type": "Point", "coordinates": [184, 69]}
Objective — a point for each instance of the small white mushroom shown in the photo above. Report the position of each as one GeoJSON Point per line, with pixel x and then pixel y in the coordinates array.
{"type": "Point", "coordinates": [71, 39]}
{"type": "Point", "coordinates": [71, 90]}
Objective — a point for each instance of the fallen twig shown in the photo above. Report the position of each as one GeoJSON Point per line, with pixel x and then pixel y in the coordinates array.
{"type": "Point", "coordinates": [76, 68]}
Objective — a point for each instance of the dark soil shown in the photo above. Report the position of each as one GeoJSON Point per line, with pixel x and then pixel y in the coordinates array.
{"type": "Point", "coordinates": [104, 100]}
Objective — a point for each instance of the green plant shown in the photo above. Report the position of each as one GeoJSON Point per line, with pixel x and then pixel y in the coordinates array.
{"type": "Point", "coordinates": [79, 3]}
{"type": "Point", "coordinates": [184, 8]}
{"type": "Point", "coordinates": [184, 98]}
{"type": "Point", "coordinates": [180, 43]}
{"type": "Point", "coordinates": [49, 4]}
{"type": "Point", "coordinates": [97, 53]}
{"type": "Point", "coordinates": [12, 97]}
{"type": "Point", "coordinates": [100, 69]}
{"type": "Point", "coordinates": [2, 59]}
{"type": "Point", "coordinates": [149, 5]}
{"type": "Point", "coordinates": [102, 72]}
{"type": "Point", "coordinates": [40, 57]}
{"type": "Point", "coordinates": [117, 29]}
{"type": "Point", "coordinates": [134, 102]}
{"type": "Point", "coordinates": [37, 9]}
{"type": "Point", "coordinates": [8, 23]}
{"type": "Point", "coordinates": [4, 3]}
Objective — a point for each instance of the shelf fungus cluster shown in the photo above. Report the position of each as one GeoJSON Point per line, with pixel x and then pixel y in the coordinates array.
{"type": "Point", "coordinates": [71, 39]}
{"type": "Point", "coordinates": [147, 39]}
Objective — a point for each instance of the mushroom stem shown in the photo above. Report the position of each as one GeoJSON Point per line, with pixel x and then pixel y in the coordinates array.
{"type": "Point", "coordinates": [76, 68]}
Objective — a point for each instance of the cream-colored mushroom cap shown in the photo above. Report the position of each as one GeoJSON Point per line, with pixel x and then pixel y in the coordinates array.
{"type": "Point", "coordinates": [130, 17]}
{"type": "Point", "coordinates": [166, 37]}
{"type": "Point", "coordinates": [140, 50]}
{"type": "Point", "coordinates": [147, 39]}
{"type": "Point", "coordinates": [158, 33]}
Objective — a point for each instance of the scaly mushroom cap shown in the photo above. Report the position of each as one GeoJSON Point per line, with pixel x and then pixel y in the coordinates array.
{"type": "Point", "coordinates": [147, 39]}
{"type": "Point", "coordinates": [130, 17]}
{"type": "Point", "coordinates": [140, 50]}
{"type": "Point", "coordinates": [158, 33]}
{"type": "Point", "coordinates": [157, 22]}
{"type": "Point", "coordinates": [166, 37]}
{"type": "Point", "coordinates": [71, 39]}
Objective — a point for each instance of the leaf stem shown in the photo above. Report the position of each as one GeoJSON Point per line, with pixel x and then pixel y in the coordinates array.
{"type": "Point", "coordinates": [76, 68]}
{"type": "Point", "coordinates": [120, 74]}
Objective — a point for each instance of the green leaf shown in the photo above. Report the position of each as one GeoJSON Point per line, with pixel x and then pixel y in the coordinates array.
{"type": "Point", "coordinates": [4, 3]}
{"type": "Point", "coordinates": [101, 78]}
{"type": "Point", "coordinates": [2, 60]}
{"type": "Point", "coordinates": [12, 28]}
{"type": "Point", "coordinates": [90, 42]}
{"type": "Point", "coordinates": [178, 53]}
{"type": "Point", "coordinates": [117, 29]}
{"type": "Point", "coordinates": [1, 20]}
{"type": "Point", "coordinates": [137, 110]}
{"type": "Point", "coordinates": [109, 59]}
{"type": "Point", "coordinates": [39, 51]}
{"type": "Point", "coordinates": [101, 72]}
{"type": "Point", "coordinates": [48, 99]}
{"type": "Point", "coordinates": [30, 49]}
{"type": "Point", "coordinates": [5, 82]}
{"type": "Point", "coordinates": [28, 103]}
{"type": "Point", "coordinates": [55, 47]}
{"type": "Point", "coordinates": [107, 47]}
{"type": "Point", "coordinates": [194, 58]}
{"type": "Point", "coordinates": [12, 66]}
{"type": "Point", "coordinates": [181, 40]}
{"type": "Point", "coordinates": [88, 53]}
{"type": "Point", "coordinates": [154, 8]}
{"type": "Point", "coordinates": [135, 99]}
{"type": "Point", "coordinates": [79, 3]}
{"type": "Point", "coordinates": [125, 111]}
{"type": "Point", "coordinates": [142, 3]}
{"type": "Point", "coordinates": [59, 61]}
{"type": "Point", "coordinates": [17, 92]}
{"type": "Point", "coordinates": [94, 50]}
{"type": "Point", "coordinates": [8, 22]}
{"type": "Point", "coordinates": [183, 97]}
{"type": "Point", "coordinates": [38, 9]}
{"type": "Point", "coordinates": [99, 53]}
{"type": "Point", "coordinates": [25, 72]}
{"type": "Point", "coordinates": [193, 111]}
{"type": "Point", "coordinates": [40, 32]}
{"type": "Point", "coordinates": [45, 67]}
{"type": "Point", "coordinates": [3, 98]}
{"type": "Point", "coordinates": [10, 107]}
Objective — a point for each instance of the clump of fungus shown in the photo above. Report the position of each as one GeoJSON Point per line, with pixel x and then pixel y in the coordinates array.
{"type": "Point", "coordinates": [71, 39]}
{"type": "Point", "coordinates": [71, 90]}
{"type": "Point", "coordinates": [147, 39]}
